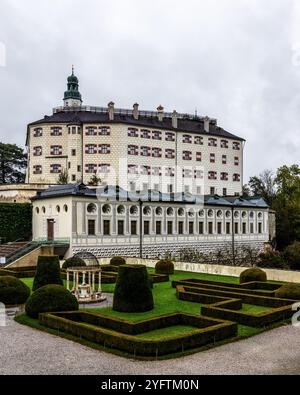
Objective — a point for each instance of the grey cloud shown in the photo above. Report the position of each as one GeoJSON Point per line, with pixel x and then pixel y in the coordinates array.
{"type": "Point", "coordinates": [230, 59]}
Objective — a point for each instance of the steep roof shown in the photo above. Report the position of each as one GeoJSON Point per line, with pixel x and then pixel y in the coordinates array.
{"type": "Point", "coordinates": [109, 193]}
{"type": "Point", "coordinates": [184, 125]}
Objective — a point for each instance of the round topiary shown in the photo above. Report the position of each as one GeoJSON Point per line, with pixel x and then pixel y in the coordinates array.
{"type": "Point", "coordinates": [50, 298]}
{"type": "Point", "coordinates": [253, 274]}
{"type": "Point", "coordinates": [13, 291]}
{"type": "Point", "coordinates": [164, 266]}
{"type": "Point", "coordinates": [288, 291]}
{"type": "Point", "coordinates": [73, 262]}
{"type": "Point", "coordinates": [132, 292]}
{"type": "Point", "coordinates": [47, 272]}
{"type": "Point", "coordinates": [117, 261]}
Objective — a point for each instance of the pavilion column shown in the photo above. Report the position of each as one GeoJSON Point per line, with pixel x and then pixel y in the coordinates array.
{"type": "Point", "coordinates": [99, 282]}
{"type": "Point", "coordinates": [83, 277]}
{"type": "Point", "coordinates": [93, 281]}
{"type": "Point", "coordinates": [68, 280]}
{"type": "Point", "coordinates": [90, 281]}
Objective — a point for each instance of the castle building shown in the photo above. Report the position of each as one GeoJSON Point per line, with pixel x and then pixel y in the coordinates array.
{"type": "Point", "coordinates": [140, 183]}
{"type": "Point", "coordinates": [135, 149]}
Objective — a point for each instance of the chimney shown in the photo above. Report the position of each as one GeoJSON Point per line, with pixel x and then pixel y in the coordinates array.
{"type": "Point", "coordinates": [174, 120]}
{"type": "Point", "coordinates": [136, 111]}
{"type": "Point", "coordinates": [160, 113]}
{"type": "Point", "coordinates": [111, 111]}
{"type": "Point", "coordinates": [206, 124]}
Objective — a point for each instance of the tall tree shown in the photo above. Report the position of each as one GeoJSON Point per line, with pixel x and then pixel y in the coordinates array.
{"type": "Point", "coordinates": [264, 185]}
{"type": "Point", "coordinates": [13, 163]}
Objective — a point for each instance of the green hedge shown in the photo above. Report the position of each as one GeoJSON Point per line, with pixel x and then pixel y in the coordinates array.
{"type": "Point", "coordinates": [164, 266]}
{"type": "Point", "coordinates": [47, 272]}
{"type": "Point", "coordinates": [118, 334]}
{"type": "Point", "coordinates": [132, 292]}
{"type": "Point", "coordinates": [17, 274]}
{"type": "Point", "coordinates": [117, 261]}
{"type": "Point", "coordinates": [289, 291]}
{"type": "Point", "coordinates": [253, 274]}
{"type": "Point", "coordinates": [13, 291]}
{"type": "Point", "coordinates": [50, 298]}
{"type": "Point", "coordinates": [15, 221]}
{"type": "Point", "coordinates": [74, 261]}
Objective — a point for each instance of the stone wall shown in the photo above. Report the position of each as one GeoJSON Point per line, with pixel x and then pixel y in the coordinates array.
{"type": "Point", "coordinates": [31, 258]}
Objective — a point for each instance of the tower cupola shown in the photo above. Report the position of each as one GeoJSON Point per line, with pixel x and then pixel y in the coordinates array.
{"type": "Point", "coordinates": [72, 96]}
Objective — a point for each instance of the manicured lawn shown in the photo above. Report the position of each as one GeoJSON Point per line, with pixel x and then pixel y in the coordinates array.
{"type": "Point", "coordinates": [165, 333]}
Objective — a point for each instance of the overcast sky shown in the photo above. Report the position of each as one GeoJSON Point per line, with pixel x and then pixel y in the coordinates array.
{"type": "Point", "coordinates": [234, 60]}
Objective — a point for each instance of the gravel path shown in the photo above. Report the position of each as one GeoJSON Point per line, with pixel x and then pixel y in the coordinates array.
{"type": "Point", "coordinates": [28, 351]}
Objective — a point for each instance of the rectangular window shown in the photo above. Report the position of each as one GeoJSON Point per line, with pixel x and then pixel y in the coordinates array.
{"type": "Point", "coordinates": [180, 227]}
{"type": "Point", "coordinates": [170, 153]}
{"type": "Point", "coordinates": [104, 168]}
{"type": "Point", "coordinates": [228, 228]}
{"type": "Point", "coordinates": [212, 158]}
{"type": "Point", "coordinates": [260, 228]}
{"type": "Point", "coordinates": [91, 227]}
{"type": "Point", "coordinates": [73, 152]}
{"type": "Point", "coordinates": [187, 139]}
{"type": "Point", "coordinates": [156, 135]}
{"type": "Point", "coordinates": [146, 227]}
{"type": "Point", "coordinates": [236, 228]}
{"type": "Point", "coordinates": [224, 159]}
{"type": "Point", "coordinates": [236, 146]}
{"type": "Point", "coordinates": [145, 151]}
{"type": "Point", "coordinates": [37, 169]}
{"type": "Point", "coordinates": [191, 228]}
{"type": "Point", "coordinates": [37, 151]}
{"type": "Point", "coordinates": [212, 175]}
{"type": "Point", "coordinates": [224, 191]}
{"type": "Point", "coordinates": [170, 227]}
{"type": "Point", "coordinates": [198, 140]}
{"type": "Point", "coordinates": [133, 169]}
{"type": "Point", "coordinates": [219, 226]}
{"type": "Point", "coordinates": [236, 161]}
{"type": "Point", "coordinates": [156, 152]}
{"type": "Point", "coordinates": [106, 227]}
{"type": "Point", "coordinates": [170, 136]}
{"type": "Point", "coordinates": [120, 228]}
{"type": "Point", "coordinates": [158, 227]}
{"type": "Point", "coordinates": [236, 177]}
{"type": "Point", "coordinates": [133, 132]}
{"type": "Point", "coordinates": [104, 149]}
{"type": "Point", "coordinates": [104, 131]}
{"type": "Point", "coordinates": [170, 172]}
{"type": "Point", "coordinates": [212, 190]}
{"type": "Point", "coordinates": [244, 225]}
{"type": "Point", "coordinates": [170, 188]}
{"type": "Point", "coordinates": [79, 168]}
{"type": "Point", "coordinates": [201, 228]}
{"type": "Point", "coordinates": [212, 142]}
{"type": "Point", "coordinates": [145, 134]}
{"type": "Point", "coordinates": [251, 228]}
{"type": "Point", "coordinates": [56, 132]}
{"type": "Point", "coordinates": [90, 131]}
{"type": "Point", "coordinates": [56, 150]}
{"type": "Point", "coordinates": [133, 150]}
{"type": "Point", "coordinates": [198, 156]}
{"type": "Point", "coordinates": [133, 226]}
{"type": "Point", "coordinates": [210, 228]}
{"type": "Point", "coordinates": [91, 149]}
{"type": "Point", "coordinates": [186, 155]}
{"type": "Point", "coordinates": [90, 168]}
{"type": "Point", "coordinates": [224, 176]}
{"type": "Point", "coordinates": [38, 132]}
{"type": "Point", "coordinates": [55, 168]}
{"type": "Point", "coordinates": [224, 144]}
{"type": "Point", "coordinates": [199, 191]}
{"type": "Point", "coordinates": [73, 177]}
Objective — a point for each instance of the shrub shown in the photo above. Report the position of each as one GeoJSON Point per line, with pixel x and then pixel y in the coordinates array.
{"type": "Point", "coordinates": [13, 291]}
{"type": "Point", "coordinates": [73, 262]}
{"type": "Point", "coordinates": [292, 255]}
{"type": "Point", "coordinates": [164, 266]}
{"type": "Point", "coordinates": [289, 291]}
{"type": "Point", "coordinates": [272, 259]}
{"type": "Point", "coordinates": [50, 298]}
{"type": "Point", "coordinates": [253, 274]}
{"type": "Point", "coordinates": [117, 261]}
{"type": "Point", "coordinates": [109, 268]}
{"type": "Point", "coordinates": [132, 292]}
{"type": "Point", "coordinates": [47, 272]}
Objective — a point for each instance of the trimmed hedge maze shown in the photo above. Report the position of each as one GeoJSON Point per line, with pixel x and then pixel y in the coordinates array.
{"type": "Point", "coordinates": [128, 336]}
{"type": "Point", "coordinates": [225, 301]}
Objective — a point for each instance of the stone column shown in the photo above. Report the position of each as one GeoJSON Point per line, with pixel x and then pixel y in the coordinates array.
{"type": "Point", "coordinates": [68, 280]}
{"type": "Point", "coordinates": [99, 282]}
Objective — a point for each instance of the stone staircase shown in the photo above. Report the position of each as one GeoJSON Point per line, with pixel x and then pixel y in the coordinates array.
{"type": "Point", "coordinates": [10, 249]}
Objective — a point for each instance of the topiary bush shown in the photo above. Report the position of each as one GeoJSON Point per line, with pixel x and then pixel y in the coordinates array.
{"type": "Point", "coordinates": [132, 292]}
{"type": "Point", "coordinates": [13, 291]}
{"type": "Point", "coordinates": [253, 274]}
{"type": "Point", "coordinates": [50, 298]}
{"type": "Point", "coordinates": [74, 261]}
{"type": "Point", "coordinates": [47, 272]}
{"type": "Point", "coordinates": [117, 261]}
{"type": "Point", "coordinates": [288, 291]}
{"type": "Point", "coordinates": [292, 255]}
{"type": "Point", "coordinates": [164, 266]}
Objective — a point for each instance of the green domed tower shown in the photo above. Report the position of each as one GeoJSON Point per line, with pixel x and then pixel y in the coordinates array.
{"type": "Point", "coordinates": [72, 97]}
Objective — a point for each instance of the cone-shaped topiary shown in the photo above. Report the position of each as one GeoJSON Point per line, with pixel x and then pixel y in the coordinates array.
{"type": "Point", "coordinates": [47, 272]}
{"type": "Point", "coordinates": [73, 262]}
{"type": "Point", "coordinates": [253, 274]}
{"type": "Point", "coordinates": [132, 293]}
{"type": "Point", "coordinates": [117, 261]}
{"type": "Point", "coordinates": [50, 298]}
{"type": "Point", "coordinates": [13, 291]}
{"type": "Point", "coordinates": [164, 266]}
{"type": "Point", "coordinates": [288, 291]}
